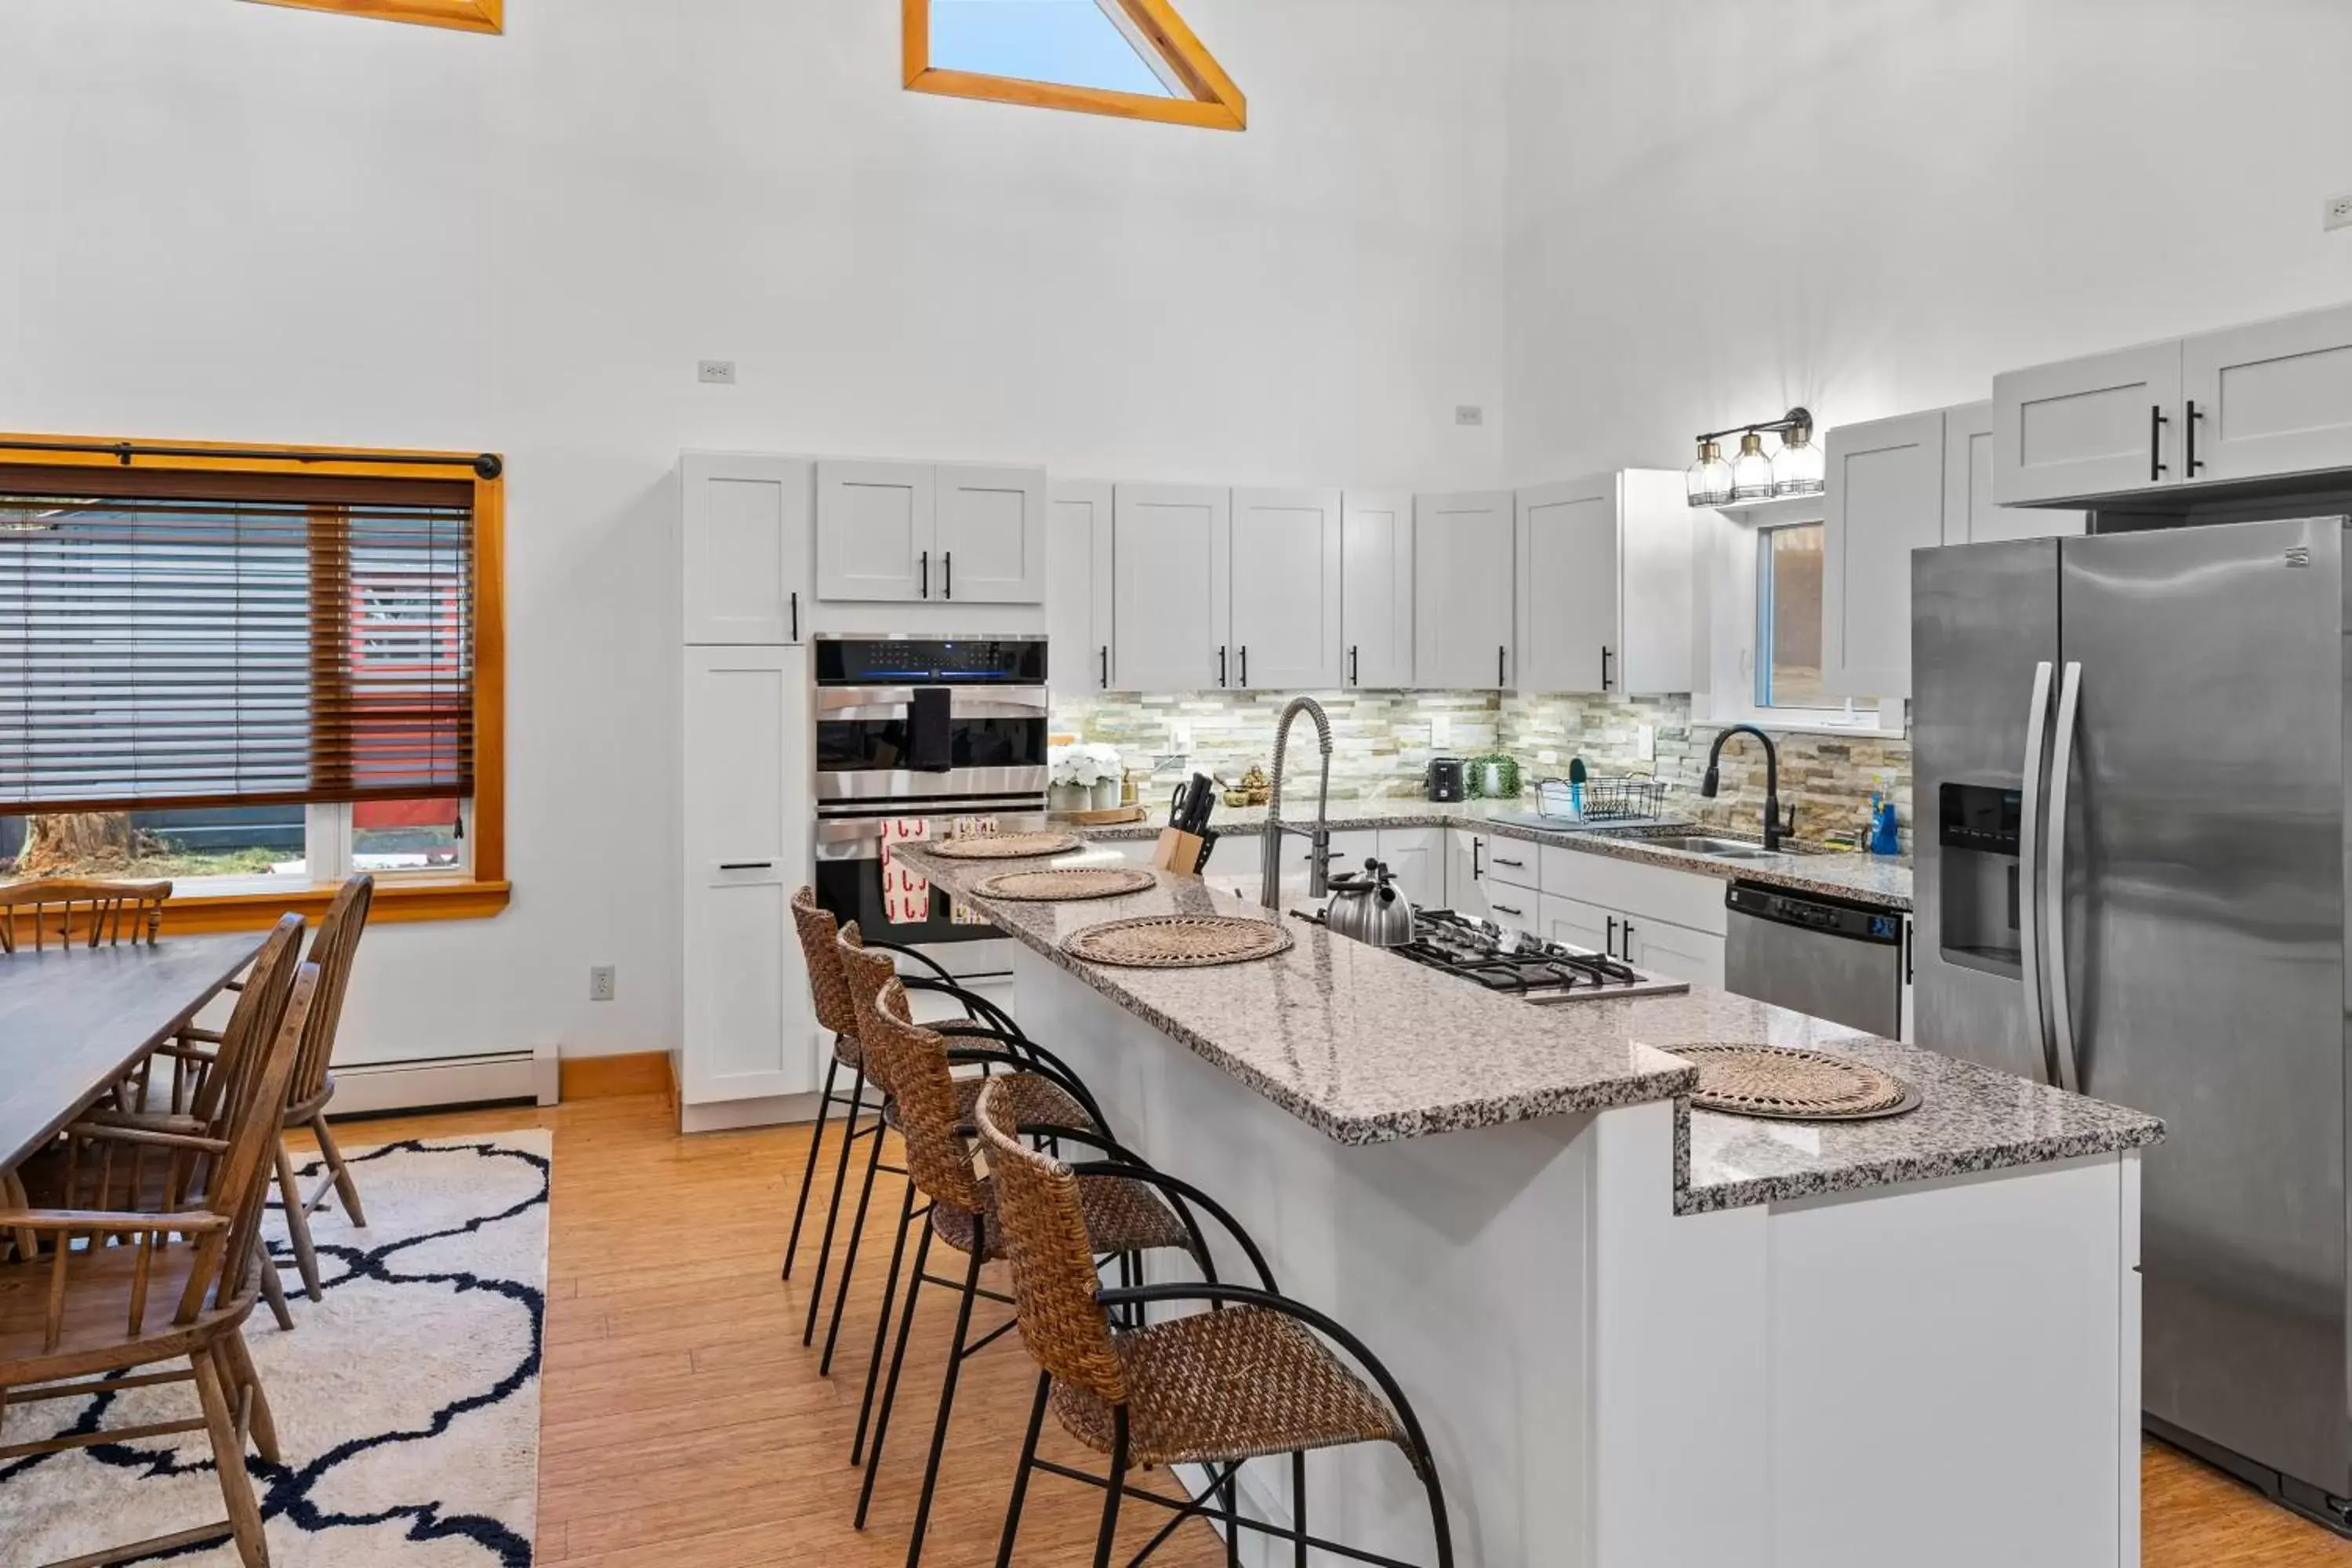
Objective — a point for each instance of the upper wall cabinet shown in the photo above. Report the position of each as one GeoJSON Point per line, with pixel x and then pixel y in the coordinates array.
{"type": "Point", "coordinates": [1462, 590]}
{"type": "Point", "coordinates": [892, 532]}
{"type": "Point", "coordinates": [1971, 515]}
{"type": "Point", "coordinates": [1285, 590]}
{"type": "Point", "coordinates": [1170, 546]}
{"type": "Point", "coordinates": [1078, 586]}
{"type": "Point", "coordinates": [744, 547]}
{"type": "Point", "coordinates": [1376, 587]}
{"type": "Point", "coordinates": [2258, 402]}
{"type": "Point", "coordinates": [1605, 585]}
{"type": "Point", "coordinates": [1885, 499]}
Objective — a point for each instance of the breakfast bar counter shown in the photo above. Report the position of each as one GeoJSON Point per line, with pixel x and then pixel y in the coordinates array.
{"type": "Point", "coordinates": [1638, 1334]}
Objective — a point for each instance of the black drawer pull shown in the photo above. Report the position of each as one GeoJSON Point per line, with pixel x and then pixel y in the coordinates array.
{"type": "Point", "coordinates": [746, 865]}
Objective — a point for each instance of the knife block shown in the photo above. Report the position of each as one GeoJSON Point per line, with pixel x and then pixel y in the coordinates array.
{"type": "Point", "coordinates": [1179, 851]}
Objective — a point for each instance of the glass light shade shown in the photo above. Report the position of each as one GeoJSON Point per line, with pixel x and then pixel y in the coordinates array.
{"type": "Point", "coordinates": [1751, 471]}
{"type": "Point", "coordinates": [1798, 468]}
{"type": "Point", "coordinates": [1709, 480]}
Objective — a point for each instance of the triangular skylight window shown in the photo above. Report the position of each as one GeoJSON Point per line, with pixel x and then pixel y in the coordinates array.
{"type": "Point", "coordinates": [1131, 58]}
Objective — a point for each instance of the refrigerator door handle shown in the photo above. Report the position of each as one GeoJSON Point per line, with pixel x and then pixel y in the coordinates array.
{"type": "Point", "coordinates": [2029, 854]}
{"type": "Point", "coordinates": [2054, 902]}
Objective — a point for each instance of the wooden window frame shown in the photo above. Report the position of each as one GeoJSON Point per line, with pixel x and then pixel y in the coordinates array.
{"type": "Point", "coordinates": [1216, 104]}
{"type": "Point", "coordinates": [470, 15]}
{"type": "Point", "coordinates": [484, 890]}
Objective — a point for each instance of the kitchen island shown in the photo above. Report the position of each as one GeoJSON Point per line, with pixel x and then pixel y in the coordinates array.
{"type": "Point", "coordinates": [1639, 1336]}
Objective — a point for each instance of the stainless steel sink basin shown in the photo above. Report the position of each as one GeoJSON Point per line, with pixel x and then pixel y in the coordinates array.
{"type": "Point", "coordinates": [1721, 849]}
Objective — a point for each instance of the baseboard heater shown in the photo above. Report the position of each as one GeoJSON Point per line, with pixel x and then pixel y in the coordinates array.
{"type": "Point", "coordinates": [438, 1083]}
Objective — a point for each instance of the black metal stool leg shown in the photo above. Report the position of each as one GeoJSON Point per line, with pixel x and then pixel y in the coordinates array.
{"type": "Point", "coordinates": [808, 1176]}
{"type": "Point", "coordinates": [1021, 1476]}
{"type": "Point", "coordinates": [850, 1255]}
{"type": "Point", "coordinates": [1113, 1489]}
{"type": "Point", "coordinates": [882, 1327]}
{"type": "Point", "coordinates": [1298, 1503]}
{"type": "Point", "coordinates": [948, 1392]}
{"type": "Point", "coordinates": [1229, 1495]}
{"type": "Point", "coordinates": [833, 1209]}
{"type": "Point", "coordinates": [891, 1385]}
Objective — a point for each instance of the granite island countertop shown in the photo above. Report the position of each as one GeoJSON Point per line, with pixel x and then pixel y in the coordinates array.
{"type": "Point", "coordinates": [1368, 1047]}
{"type": "Point", "coordinates": [1869, 878]}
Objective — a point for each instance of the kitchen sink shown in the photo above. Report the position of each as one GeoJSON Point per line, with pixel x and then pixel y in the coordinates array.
{"type": "Point", "coordinates": [1721, 849]}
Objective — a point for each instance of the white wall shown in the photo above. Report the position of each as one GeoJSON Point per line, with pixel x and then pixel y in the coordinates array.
{"type": "Point", "coordinates": [1721, 208]}
{"type": "Point", "coordinates": [238, 222]}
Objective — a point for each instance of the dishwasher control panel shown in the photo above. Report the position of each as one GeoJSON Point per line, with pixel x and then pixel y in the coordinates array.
{"type": "Point", "coordinates": [1814, 912]}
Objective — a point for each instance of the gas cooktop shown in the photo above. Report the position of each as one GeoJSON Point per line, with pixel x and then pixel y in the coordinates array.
{"type": "Point", "coordinates": [1517, 962]}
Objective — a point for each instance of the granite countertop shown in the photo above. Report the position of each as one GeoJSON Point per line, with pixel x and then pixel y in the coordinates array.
{"type": "Point", "coordinates": [1368, 1047]}
{"type": "Point", "coordinates": [1870, 879]}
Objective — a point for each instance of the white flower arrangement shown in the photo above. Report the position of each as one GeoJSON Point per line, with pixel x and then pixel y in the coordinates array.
{"type": "Point", "coordinates": [1085, 764]}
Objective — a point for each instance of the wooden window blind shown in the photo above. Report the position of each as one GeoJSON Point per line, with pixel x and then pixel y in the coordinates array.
{"type": "Point", "coordinates": [191, 638]}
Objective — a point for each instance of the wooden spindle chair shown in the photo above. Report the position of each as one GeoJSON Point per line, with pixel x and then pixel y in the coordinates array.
{"type": "Point", "coordinates": [333, 950]}
{"type": "Point", "coordinates": [1250, 1378]}
{"type": "Point", "coordinates": [70, 911]}
{"type": "Point", "coordinates": [85, 1319]}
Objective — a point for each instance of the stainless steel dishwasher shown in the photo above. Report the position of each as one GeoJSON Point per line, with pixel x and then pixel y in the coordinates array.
{"type": "Point", "coordinates": [1824, 956]}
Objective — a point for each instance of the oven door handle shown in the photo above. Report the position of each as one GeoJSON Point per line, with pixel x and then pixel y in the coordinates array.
{"type": "Point", "coordinates": [853, 702]}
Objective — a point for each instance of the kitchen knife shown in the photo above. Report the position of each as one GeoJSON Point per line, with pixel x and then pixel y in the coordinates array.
{"type": "Point", "coordinates": [1204, 796]}
{"type": "Point", "coordinates": [1208, 844]}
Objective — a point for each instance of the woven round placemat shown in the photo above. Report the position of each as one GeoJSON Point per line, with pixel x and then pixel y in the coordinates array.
{"type": "Point", "coordinates": [1177, 941]}
{"type": "Point", "coordinates": [1793, 1085]}
{"type": "Point", "coordinates": [1003, 847]}
{"type": "Point", "coordinates": [1066, 885]}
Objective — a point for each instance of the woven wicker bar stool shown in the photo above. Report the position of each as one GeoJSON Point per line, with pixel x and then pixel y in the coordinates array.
{"type": "Point", "coordinates": [838, 1011]}
{"type": "Point", "coordinates": [933, 1110]}
{"type": "Point", "coordinates": [1249, 1379]}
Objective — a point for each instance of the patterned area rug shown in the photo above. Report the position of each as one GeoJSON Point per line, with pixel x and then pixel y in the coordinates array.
{"type": "Point", "coordinates": [407, 1401]}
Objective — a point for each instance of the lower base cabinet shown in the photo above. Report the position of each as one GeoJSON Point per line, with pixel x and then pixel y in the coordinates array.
{"type": "Point", "coordinates": [1661, 945]}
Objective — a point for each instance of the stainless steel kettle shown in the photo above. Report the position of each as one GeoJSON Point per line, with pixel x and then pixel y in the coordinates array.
{"type": "Point", "coordinates": [1370, 907]}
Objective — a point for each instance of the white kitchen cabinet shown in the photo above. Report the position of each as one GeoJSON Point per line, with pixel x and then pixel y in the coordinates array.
{"type": "Point", "coordinates": [1668, 949]}
{"type": "Point", "coordinates": [1572, 923]}
{"type": "Point", "coordinates": [750, 1031]}
{"type": "Point", "coordinates": [744, 546]}
{"type": "Point", "coordinates": [895, 533]}
{"type": "Point", "coordinates": [1885, 499]}
{"type": "Point", "coordinates": [1376, 587]}
{"type": "Point", "coordinates": [1465, 871]}
{"type": "Point", "coordinates": [2091, 426]}
{"type": "Point", "coordinates": [1416, 856]}
{"type": "Point", "coordinates": [2269, 399]}
{"type": "Point", "coordinates": [1605, 585]}
{"type": "Point", "coordinates": [1971, 515]}
{"type": "Point", "coordinates": [1463, 561]}
{"type": "Point", "coordinates": [1078, 586]}
{"type": "Point", "coordinates": [1170, 581]}
{"type": "Point", "coordinates": [988, 535]}
{"type": "Point", "coordinates": [1285, 632]}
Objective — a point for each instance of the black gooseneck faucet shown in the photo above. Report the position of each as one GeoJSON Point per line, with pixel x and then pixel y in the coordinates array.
{"type": "Point", "coordinates": [1714, 779]}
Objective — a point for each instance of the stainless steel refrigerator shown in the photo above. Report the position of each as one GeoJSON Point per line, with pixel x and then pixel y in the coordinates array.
{"type": "Point", "coordinates": [2131, 880]}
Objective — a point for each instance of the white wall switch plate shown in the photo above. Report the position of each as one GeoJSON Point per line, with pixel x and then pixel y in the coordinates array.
{"type": "Point", "coordinates": [600, 982]}
{"type": "Point", "coordinates": [715, 371]}
{"type": "Point", "coordinates": [1180, 735]}
{"type": "Point", "coordinates": [1441, 730]}
{"type": "Point", "coordinates": [1469, 414]}
{"type": "Point", "coordinates": [2337, 213]}
{"type": "Point", "coordinates": [1645, 743]}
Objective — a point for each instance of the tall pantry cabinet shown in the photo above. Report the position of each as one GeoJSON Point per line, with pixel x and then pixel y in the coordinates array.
{"type": "Point", "coordinates": [748, 1039]}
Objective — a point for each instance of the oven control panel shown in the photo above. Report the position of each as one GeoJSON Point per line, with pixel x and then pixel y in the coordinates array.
{"type": "Point", "coordinates": [930, 661]}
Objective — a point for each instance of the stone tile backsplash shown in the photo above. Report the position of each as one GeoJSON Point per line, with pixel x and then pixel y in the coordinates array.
{"type": "Point", "coordinates": [1381, 743]}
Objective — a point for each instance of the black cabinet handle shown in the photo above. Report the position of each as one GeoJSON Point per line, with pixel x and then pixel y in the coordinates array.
{"type": "Point", "coordinates": [1514, 865]}
{"type": "Point", "coordinates": [1244, 667]}
{"type": "Point", "coordinates": [947, 571]}
{"type": "Point", "coordinates": [1609, 942]}
{"type": "Point", "coordinates": [746, 865]}
{"type": "Point", "coordinates": [2156, 423]}
{"type": "Point", "coordinates": [1477, 843]}
{"type": "Point", "coordinates": [927, 573]}
{"type": "Point", "coordinates": [1106, 663]}
{"type": "Point", "coordinates": [2190, 460]}
{"type": "Point", "coordinates": [797, 617]}
{"type": "Point", "coordinates": [1625, 949]}
{"type": "Point", "coordinates": [1605, 667]}
{"type": "Point", "coordinates": [1507, 910]}
{"type": "Point", "coordinates": [1355, 668]}
{"type": "Point", "coordinates": [1498, 665]}
{"type": "Point", "coordinates": [1220, 664]}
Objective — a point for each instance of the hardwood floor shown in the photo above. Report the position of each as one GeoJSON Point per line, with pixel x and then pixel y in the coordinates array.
{"type": "Point", "coordinates": [683, 1425]}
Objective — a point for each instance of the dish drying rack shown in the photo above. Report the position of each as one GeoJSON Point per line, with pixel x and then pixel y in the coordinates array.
{"type": "Point", "coordinates": [1605, 800]}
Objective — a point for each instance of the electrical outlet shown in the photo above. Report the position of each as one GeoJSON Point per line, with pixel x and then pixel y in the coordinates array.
{"type": "Point", "coordinates": [1548, 759]}
{"type": "Point", "coordinates": [2337, 213]}
{"type": "Point", "coordinates": [1645, 743]}
{"type": "Point", "coordinates": [715, 371]}
{"type": "Point", "coordinates": [600, 982]}
{"type": "Point", "coordinates": [1180, 735]}
{"type": "Point", "coordinates": [1469, 414]}
{"type": "Point", "coordinates": [1440, 731]}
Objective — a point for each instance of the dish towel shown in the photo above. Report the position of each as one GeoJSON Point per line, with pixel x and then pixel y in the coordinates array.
{"type": "Point", "coordinates": [905, 892]}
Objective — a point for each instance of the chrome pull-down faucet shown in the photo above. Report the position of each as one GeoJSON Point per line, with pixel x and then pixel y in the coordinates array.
{"type": "Point", "coordinates": [1319, 858]}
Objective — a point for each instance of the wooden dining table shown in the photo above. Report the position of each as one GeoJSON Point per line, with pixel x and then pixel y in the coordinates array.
{"type": "Point", "coordinates": [75, 1020]}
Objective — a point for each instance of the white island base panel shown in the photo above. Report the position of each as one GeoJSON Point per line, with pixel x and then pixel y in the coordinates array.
{"type": "Point", "coordinates": [1943, 1372]}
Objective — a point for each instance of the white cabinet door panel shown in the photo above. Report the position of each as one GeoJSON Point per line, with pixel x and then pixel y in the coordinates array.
{"type": "Point", "coordinates": [1465, 871]}
{"type": "Point", "coordinates": [989, 536]}
{"type": "Point", "coordinates": [1971, 515]}
{"type": "Point", "coordinates": [2269, 399]}
{"type": "Point", "coordinates": [1078, 586]}
{"type": "Point", "coordinates": [874, 525]}
{"type": "Point", "coordinates": [1285, 590]}
{"type": "Point", "coordinates": [1568, 585]}
{"type": "Point", "coordinates": [2099, 426]}
{"type": "Point", "coordinates": [1464, 564]}
{"type": "Point", "coordinates": [1886, 498]}
{"type": "Point", "coordinates": [1697, 956]}
{"type": "Point", "coordinates": [1657, 601]}
{"type": "Point", "coordinates": [1417, 856]}
{"type": "Point", "coordinates": [1168, 601]}
{"type": "Point", "coordinates": [745, 549]}
{"type": "Point", "coordinates": [1575, 923]}
{"type": "Point", "coordinates": [1376, 588]}
{"type": "Point", "coordinates": [749, 1032]}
